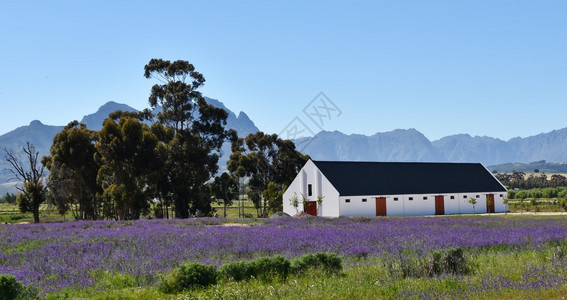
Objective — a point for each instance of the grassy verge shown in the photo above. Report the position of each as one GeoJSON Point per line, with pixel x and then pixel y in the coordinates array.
{"type": "Point", "coordinates": [522, 274]}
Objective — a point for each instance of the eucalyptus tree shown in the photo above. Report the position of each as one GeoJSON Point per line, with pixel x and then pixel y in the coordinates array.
{"type": "Point", "coordinates": [73, 171]}
{"type": "Point", "coordinates": [198, 132]}
{"type": "Point", "coordinates": [129, 156]}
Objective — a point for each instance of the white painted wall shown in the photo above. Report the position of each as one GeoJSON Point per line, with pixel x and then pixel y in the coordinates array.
{"type": "Point", "coordinates": [416, 205]}
{"type": "Point", "coordinates": [320, 185]}
{"type": "Point", "coordinates": [499, 205]}
{"type": "Point", "coordinates": [356, 207]}
{"type": "Point", "coordinates": [480, 206]}
{"type": "Point", "coordinates": [452, 206]}
{"type": "Point", "coordinates": [394, 205]}
{"type": "Point", "coordinates": [293, 189]}
{"type": "Point", "coordinates": [330, 205]}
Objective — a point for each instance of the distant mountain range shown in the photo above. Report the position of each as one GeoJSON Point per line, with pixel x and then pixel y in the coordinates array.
{"type": "Point", "coordinates": [411, 145]}
{"type": "Point", "coordinates": [533, 167]}
{"type": "Point", "coordinates": [41, 135]}
{"type": "Point", "coordinates": [396, 145]}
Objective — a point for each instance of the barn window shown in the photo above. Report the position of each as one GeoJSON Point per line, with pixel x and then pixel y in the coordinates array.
{"type": "Point", "coordinates": [477, 196]}
{"type": "Point", "coordinates": [395, 198]}
{"type": "Point", "coordinates": [501, 195]}
{"type": "Point", "coordinates": [309, 190]}
{"type": "Point", "coordinates": [364, 200]}
{"type": "Point", "coordinates": [465, 196]}
{"type": "Point", "coordinates": [347, 200]}
{"type": "Point", "coordinates": [452, 197]}
{"type": "Point", "coordinates": [425, 198]}
{"type": "Point", "coordinates": [410, 198]}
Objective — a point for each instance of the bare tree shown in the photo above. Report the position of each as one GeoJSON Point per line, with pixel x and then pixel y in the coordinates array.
{"type": "Point", "coordinates": [30, 175]}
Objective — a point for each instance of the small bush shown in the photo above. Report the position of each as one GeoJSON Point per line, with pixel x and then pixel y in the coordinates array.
{"type": "Point", "coordinates": [10, 288]}
{"type": "Point", "coordinates": [406, 265]}
{"type": "Point", "coordinates": [265, 269]}
{"type": "Point", "coordinates": [188, 276]}
{"type": "Point", "coordinates": [327, 262]}
{"type": "Point", "coordinates": [269, 268]}
{"type": "Point", "coordinates": [448, 261]}
{"type": "Point", "coordinates": [237, 271]}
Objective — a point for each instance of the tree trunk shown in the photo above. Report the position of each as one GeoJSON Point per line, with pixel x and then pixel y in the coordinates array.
{"type": "Point", "coordinates": [225, 201]}
{"type": "Point", "coordinates": [182, 210]}
{"type": "Point", "coordinates": [36, 214]}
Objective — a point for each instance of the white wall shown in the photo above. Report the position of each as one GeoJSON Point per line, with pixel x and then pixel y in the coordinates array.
{"type": "Point", "coordinates": [320, 186]}
{"type": "Point", "coordinates": [480, 206]}
{"type": "Point", "coordinates": [499, 205]}
{"type": "Point", "coordinates": [356, 207]}
{"type": "Point", "coordinates": [452, 206]}
{"type": "Point", "coordinates": [293, 189]}
{"type": "Point", "coordinates": [418, 206]}
{"type": "Point", "coordinates": [330, 205]}
{"type": "Point", "coordinates": [394, 205]}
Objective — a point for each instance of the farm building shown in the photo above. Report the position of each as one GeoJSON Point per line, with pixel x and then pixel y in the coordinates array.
{"type": "Point", "coordinates": [393, 189]}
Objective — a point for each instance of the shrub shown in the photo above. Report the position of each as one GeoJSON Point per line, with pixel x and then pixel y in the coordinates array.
{"type": "Point", "coordinates": [10, 288]}
{"type": "Point", "coordinates": [188, 276]}
{"type": "Point", "coordinates": [269, 268]}
{"type": "Point", "coordinates": [327, 262]}
{"type": "Point", "coordinates": [406, 265]}
{"type": "Point", "coordinates": [448, 261]}
{"type": "Point", "coordinates": [278, 267]}
{"type": "Point", "coordinates": [236, 271]}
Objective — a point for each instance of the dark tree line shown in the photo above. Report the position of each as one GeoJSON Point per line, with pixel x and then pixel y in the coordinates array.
{"type": "Point", "coordinates": [166, 161]}
{"type": "Point", "coordinates": [118, 171]}
{"type": "Point", "coordinates": [270, 164]}
{"type": "Point", "coordinates": [519, 180]}
{"type": "Point", "coordinates": [9, 198]}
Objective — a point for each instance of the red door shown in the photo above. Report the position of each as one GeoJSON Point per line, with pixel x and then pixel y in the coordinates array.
{"type": "Point", "coordinates": [311, 208]}
{"type": "Point", "coordinates": [381, 206]}
{"type": "Point", "coordinates": [439, 205]}
{"type": "Point", "coordinates": [490, 203]}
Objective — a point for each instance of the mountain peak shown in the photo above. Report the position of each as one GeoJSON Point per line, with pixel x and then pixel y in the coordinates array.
{"type": "Point", "coordinates": [110, 104]}
{"type": "Point", "coordinates": [36, 123]}
{"type": "Point", "coordinates": [94, 121]}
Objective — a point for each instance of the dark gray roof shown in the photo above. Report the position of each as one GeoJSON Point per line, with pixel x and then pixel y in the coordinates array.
{"type": "Point", "coordinates": [397, 178]}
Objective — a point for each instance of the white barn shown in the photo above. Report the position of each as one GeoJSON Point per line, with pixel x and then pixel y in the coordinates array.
{"type": "Point", "coordinates": [393, 189]}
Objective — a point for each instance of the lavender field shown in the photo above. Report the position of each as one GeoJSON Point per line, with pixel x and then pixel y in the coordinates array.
{"type": "Point", "coordinates": [78, 255]}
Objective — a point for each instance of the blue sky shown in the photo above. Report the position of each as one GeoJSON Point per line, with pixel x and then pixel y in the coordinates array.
{"type": "Point", "coordinates": [495, 68]}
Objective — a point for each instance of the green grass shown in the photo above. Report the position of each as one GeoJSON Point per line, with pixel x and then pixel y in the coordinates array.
{"type": "Point", "coordinates": [370, 279]}
{"type": "Point", "coordinates": [543, 205]}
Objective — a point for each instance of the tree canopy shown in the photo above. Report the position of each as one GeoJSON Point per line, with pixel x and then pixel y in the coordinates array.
{"type": "Point", "coordinates": [265, 159]}
{"type": "Point", "coordinates": [198, 128]}
{"type": "Point", "coordinates": [73, 171]}
{"type": "Point", "coordinates": [139, 161]}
